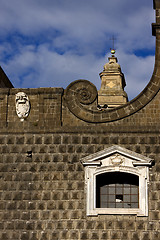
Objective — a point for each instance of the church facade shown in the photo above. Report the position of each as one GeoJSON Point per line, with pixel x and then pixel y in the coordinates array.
{"type": "Point", "coordinates": [72, 168]}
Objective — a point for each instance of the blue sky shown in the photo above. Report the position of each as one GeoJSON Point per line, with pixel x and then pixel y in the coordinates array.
{"type": "Point", "coordinates": [50, 43]}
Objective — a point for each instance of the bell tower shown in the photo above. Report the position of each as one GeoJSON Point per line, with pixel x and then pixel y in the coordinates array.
{"type": "Point", "coordinates": [113, 82]}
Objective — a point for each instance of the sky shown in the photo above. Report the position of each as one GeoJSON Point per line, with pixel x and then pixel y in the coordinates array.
{"type": "Point", "coordinates": [50, 43]}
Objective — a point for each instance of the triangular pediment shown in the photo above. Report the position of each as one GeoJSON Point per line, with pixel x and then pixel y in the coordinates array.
{"type": "Point", "coordinates": [115, 151]}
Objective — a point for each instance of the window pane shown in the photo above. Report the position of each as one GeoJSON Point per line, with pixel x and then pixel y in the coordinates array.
{"type": "Point", "coordinates": [134, 198]}
{"type": "Point", "coordinates": [112, 185]}
{"type": "Point", "coordinates": [103, 205]}
{"type": "Point", "coordinates": [126, 198]}
{"type": "Point", "coordinates": [111, 205]}
{"type": "Point", "coordinates": [119, 205]}
{"type": "Point", "coordinates": [127, 205]}
{"type": "Point", "coordinates": [119, 190]}
{"type": "Point", "coordinates": [111, 198]}
{"type": "Point", "coordinates": [111, 190]}
{"type": "Point", "coordinates": [104, 190]}
{"type": "Point", "coordinates": [126, 190]}
{"type": "Point", "coordinates": [134, 205]}
{"type": "Point", "coordinates": [118, 185]}
{"type": "Point", "coordinates": [126, 185]}
{"type": "Point", "coordinates": [104, 198]}
{"type": "Point", "coordinates": [134, 190]}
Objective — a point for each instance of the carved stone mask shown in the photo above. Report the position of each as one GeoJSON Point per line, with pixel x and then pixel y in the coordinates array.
{"type": "Point", "coordinates": [22, 105]}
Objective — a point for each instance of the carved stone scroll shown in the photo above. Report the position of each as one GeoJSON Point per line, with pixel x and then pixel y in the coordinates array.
{"type": "Point", "coordinates": [80, 95]}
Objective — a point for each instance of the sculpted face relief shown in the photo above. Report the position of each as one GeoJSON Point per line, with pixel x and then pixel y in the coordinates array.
{"type": "Point", "coordinates": [22, 105]}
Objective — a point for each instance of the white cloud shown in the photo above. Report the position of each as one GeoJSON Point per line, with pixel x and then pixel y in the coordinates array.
{"type": "Point", "coordinates": [138, 72]}
{"type": "Point", "coordinates": [51, 43]}
{"type": "Point", "coordinates": [40, 67]}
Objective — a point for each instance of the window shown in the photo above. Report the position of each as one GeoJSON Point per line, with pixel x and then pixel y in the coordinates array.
{"type": "Point", "coordinates": [117, 182]}
{"type": "Point", "coordinates": [117, 190]}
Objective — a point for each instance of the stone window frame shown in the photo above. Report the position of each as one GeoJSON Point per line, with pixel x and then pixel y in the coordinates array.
{"type": "Point", "coordinates": [116, 159]}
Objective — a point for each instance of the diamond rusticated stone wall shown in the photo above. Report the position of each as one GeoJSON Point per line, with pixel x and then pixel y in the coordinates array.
{"type": "Point", "coordinates": [42, 183]}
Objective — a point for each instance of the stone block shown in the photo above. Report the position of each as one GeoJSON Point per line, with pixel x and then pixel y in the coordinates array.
{"type": "Point", "coordinates": [55, 235]}
{"type": "Point", "coordinates": [2, 140]}
{"type": "Point", "coordinates": [44, 236]}
{"type": "Point", "coordinates": [125, 234]}
{"type": "Point", "coordinates": [57, 139]}
{"type": "Point", "coordinates": [135, 236]}
{"type": "Point", "coordinates": [86, 140]}
{"type": "Point", "coordinates": [99, 225]}
{"type": "Point", "coordinates": [34, 235]}
{"type": "Point", "coordinates": [51, 205]}
{"type": "Point", "coordinates": [119, 225]}
{"type": "Point", "coordinates": [19, 225]}
{"type": "Point", "coordinates": [4, 149]}
{"type": "Point", "coordinates": [11, 206]}
{"type": "Point", "coordinates": [124, 140]}
{"type": "Point", "coordinates": [47, 139]}
{"type": "Point", "coordinates": [90, 224]}
{"type": "Point", "coordinates": [155, 235]}
{"type": "Point", "coordinates": [66, 140]}
{"type": "Point", "coordinates": [115, 235]}
{"type": "Point", "coordinates": [155, 215]}
{"type": "Point", "coordinates": [32, 205]}
{"type": "Point", "coordinates": [10, 140]}
{"type": "Point", "coordinates": [30, 225]}
{"type": "Point", "coordinates": [109, 225]}
{"type": "Point", "coordinates": [14, 235]}
{"type": "Point", "coordinates": [64, 234]}
{"type": "Point", "coordinates": [76, 140]}
{"type": "Point", "coordinates": [45, 215]}
{"type": "Point", "coordinates": [62, 148]}
{"type": "Point", "coordinates": [17, 196]}
{"type": "Point", "coordinates": [104, 235]}
{"type": "Point", "coordinates": [84, 235]}
{"type": "Point", "coordinates": [94, 235]}
{"type": "Point", "coordinates": [38, 196]}
{"type": "Point", "coordinates": [43, 149]}
{"type": "Point", "coordinates": [130, 225]}
{"type": "Point", "coordinates": [16, 215]}
{"type": "Point", "coordinates": [38, 140]}
{"type": "Point", "coordinates": [74, 234]}
{"type": "Point", "coordinates": [5, 236]}
{"type": "Point", "coordinates": [140, 225]}
{"type": "Point", "coordinates": [19, 140]}
{"type": "Point", "coordinates": [29, 139]}
{"type": "Point", "coordinates": [146, 236]}
{"type": "Point", "coordinates": [113, 140]}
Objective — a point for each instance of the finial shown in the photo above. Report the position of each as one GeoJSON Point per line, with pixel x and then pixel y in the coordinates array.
{"type": "Point", "coordinates": [113, 49]}
{"type": "Point", "coordinates": [113, 52]}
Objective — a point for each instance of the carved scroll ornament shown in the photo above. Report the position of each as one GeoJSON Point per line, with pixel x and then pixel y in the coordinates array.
{"type": "Point", "coordinates": [81, 98]}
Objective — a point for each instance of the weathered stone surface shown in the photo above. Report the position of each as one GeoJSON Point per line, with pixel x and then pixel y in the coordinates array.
{"type": "Point", "coordinates": [42, 182]}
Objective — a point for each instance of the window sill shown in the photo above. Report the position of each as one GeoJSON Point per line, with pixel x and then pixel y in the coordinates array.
{"type": "Point", "coordinates": [116, 211]}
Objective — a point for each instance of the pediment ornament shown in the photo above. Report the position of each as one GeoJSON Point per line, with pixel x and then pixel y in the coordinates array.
{"type": "Point", "coordinates": [117, 160]}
